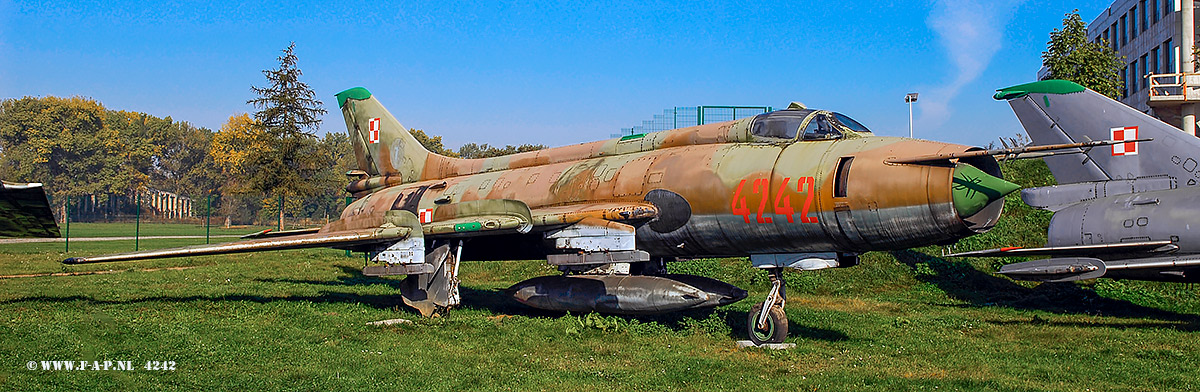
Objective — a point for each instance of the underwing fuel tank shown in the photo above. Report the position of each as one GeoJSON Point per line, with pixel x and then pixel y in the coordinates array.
{"type": "Point", "coordinates": [624, 294]}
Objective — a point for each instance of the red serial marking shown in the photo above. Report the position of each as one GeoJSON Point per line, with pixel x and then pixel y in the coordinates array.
{"type": "Point", "coordinates": [786, 208]}
{"type": "Point", "coordinates": [762, 202]}
{"type": "Point", "coordinates": [782, 205]}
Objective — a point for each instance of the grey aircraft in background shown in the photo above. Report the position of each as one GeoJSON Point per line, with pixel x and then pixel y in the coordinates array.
{"type": "Point", "coordinates": [1122, 211]}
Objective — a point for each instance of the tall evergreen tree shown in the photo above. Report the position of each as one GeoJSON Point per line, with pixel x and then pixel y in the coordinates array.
{"type": "Point", "coordinates": [287, 106]}
{"type": "Point", "coordinates": [293, 162]}
{"type": "Point", "coordinates": [289, 112]}
{"type": "Point", "coordinates": [1070, 56]}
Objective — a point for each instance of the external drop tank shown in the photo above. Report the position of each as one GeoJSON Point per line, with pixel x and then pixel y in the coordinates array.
{"type": "Point", "coordinates": [625, 294]}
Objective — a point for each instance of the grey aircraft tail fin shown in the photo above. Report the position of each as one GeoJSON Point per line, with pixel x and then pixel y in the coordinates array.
{"type": "Point", "coordinates": [1059, 111]}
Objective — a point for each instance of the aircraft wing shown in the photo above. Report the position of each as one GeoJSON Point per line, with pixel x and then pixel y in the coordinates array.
{"type": "Point", "coordinates": [347, 238]}
{"type": "Point", "coordinates": [458, 220]}
{"type": "Point", "coordinates": [1146, 247]}
{"type": "Point", "coordinates": [1071, 263]}
{"type": "Point", "coordinates": [24, 211]}
{"type": "Point", "coordinates": [387, 228]}
{"type": "Point", "coordinates": [1067, 269]}
{"type": "Point", "coordinates": [269, 233]}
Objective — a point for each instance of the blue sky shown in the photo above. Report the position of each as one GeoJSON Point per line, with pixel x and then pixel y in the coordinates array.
{"type": "Point", "coordinates": [553, 73]}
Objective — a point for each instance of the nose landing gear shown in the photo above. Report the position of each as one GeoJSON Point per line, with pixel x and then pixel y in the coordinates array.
{"type": "Point", "coordinates": [767, 323]}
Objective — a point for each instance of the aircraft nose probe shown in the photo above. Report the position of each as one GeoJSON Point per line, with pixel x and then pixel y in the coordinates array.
{"type": "Point", "coordinates": [973, 189]}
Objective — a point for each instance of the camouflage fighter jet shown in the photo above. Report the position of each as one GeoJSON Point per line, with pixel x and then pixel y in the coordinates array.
{"type": "Point", "coordinates": [796, 188]}
{"type": "Point", "coordinates": [1122, 213]}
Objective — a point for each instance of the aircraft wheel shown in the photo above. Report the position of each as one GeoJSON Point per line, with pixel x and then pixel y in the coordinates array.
{"type": "Point", "coordinates": [777, 325]}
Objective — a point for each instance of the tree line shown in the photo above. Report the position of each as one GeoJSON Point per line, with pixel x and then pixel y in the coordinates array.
{"type": "Point", "coordinates": [77, 147]}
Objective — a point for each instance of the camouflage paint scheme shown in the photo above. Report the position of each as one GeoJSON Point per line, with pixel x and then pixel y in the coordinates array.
{"type": "Point", "coordinates": [745, 194]}
{"type": "Point", "coordinates": [799, 188]}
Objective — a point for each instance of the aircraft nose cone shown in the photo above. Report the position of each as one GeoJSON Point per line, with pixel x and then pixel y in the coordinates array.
{"type": "Point", "coordinates": [973, 189]}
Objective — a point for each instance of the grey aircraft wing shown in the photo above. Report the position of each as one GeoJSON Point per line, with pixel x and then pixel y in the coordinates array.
{"type": "Point", "coordinates": [1164, 268]}
{"type": "Point", "coordinates": [1130, 248]}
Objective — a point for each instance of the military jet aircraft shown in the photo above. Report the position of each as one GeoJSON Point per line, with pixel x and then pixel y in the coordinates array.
{"type": "Point", "coordinates": [1122, 213]}
{"type": "Point", "coordinates": [800, 188]}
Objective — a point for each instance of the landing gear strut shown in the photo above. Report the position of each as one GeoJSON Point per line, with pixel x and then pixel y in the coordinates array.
{"type": "Point", "coordinates": [767, 323]}
{"type": "Point", "coordinates": [435, 291]}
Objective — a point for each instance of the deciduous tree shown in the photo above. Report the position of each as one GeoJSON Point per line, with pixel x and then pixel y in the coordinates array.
{"type": "Point", "coordinates": [184, 164]}
{"type": "Point", "coordinates": [1070, 56]}
{"type": "Point", "coordinates": [472, 150]}
{"type": "Point", "coordinates": [231, 149]}
{"type": "Point", "coordinates": [65, 144]}
{"type": "Point", "coordinates": [432, 143]}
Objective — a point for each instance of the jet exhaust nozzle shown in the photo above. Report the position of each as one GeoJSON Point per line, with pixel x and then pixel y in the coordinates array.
{"type": "Point", "coordinates": [973, 189]}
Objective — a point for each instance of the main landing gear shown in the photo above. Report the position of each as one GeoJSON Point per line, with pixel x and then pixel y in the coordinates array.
{"type": "Point", "coordinates": [767, 323]}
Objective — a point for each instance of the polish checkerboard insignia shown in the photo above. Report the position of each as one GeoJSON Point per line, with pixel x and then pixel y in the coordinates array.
{"type": "Point", "coordinates": [373, 130]}
{"type": "Point", "coordinates": [1124, 134]}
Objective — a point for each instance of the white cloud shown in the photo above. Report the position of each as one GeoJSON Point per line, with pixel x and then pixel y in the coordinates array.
{"type": "Point", "coordinates": [971, 31]}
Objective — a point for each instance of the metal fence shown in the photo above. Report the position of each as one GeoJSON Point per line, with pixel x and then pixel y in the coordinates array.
{"type": "Point", "coordinates": [199, 219]}
{"type": "Point", "coordinates": [686, 116]}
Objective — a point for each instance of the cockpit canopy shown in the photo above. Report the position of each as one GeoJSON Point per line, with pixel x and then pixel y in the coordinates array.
{"type": "Point", "coordinates": [808, 124]}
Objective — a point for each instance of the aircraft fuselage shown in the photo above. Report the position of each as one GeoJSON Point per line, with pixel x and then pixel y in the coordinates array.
{"type": "Point", "coordinates": [733, 199]}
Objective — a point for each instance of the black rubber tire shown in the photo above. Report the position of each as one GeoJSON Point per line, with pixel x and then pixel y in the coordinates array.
{"type": "Point", "coordinates": [777, 325]}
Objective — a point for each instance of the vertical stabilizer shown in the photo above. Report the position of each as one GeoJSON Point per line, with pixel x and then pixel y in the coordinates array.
{"type": "Point", "coordinates": [1058, 111]}
{"type": "Point", "coordinates": [382, 145]}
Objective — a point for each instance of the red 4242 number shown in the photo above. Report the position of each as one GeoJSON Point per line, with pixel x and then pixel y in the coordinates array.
{"type": "Point", "coordinates": [782, 205]}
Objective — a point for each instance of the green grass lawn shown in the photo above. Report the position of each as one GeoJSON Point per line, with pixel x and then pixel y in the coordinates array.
{"type": "Point", "coordinates": [296, 320]}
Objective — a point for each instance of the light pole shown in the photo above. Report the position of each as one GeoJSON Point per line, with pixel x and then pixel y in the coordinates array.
{"type": "Point", "coordinates": [910, 98]}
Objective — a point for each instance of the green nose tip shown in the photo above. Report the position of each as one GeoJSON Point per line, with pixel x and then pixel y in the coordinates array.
{"type": "Point", "coordinates": [973, 189]}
